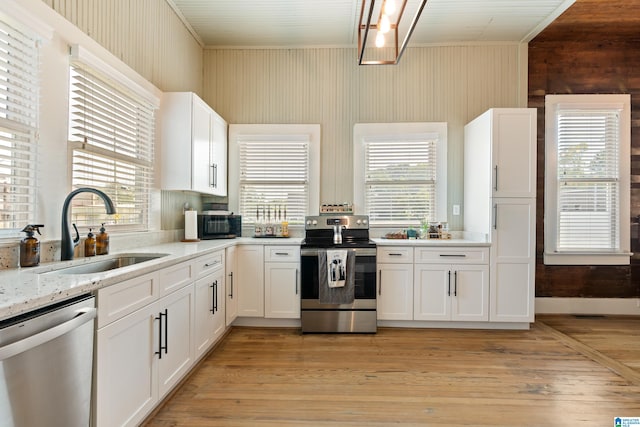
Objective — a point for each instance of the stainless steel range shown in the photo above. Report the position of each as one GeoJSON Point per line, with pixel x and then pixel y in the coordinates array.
{"type": "Point", "coordinates": [338, 275]}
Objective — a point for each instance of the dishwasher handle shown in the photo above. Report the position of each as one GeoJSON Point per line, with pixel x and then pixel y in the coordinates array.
{"type": "Point", "coordinates": [83, 316]}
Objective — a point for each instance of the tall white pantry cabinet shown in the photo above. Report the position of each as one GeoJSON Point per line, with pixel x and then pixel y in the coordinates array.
{"type": "Point", "coordinates": [500, 205]}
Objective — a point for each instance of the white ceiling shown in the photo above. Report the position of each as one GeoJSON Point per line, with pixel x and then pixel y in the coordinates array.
{"type": "Point", "coordinates": [315, 23]}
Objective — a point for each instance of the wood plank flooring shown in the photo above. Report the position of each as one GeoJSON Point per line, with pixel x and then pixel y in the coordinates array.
{"type": "Point", "coordinates": [410, 377]}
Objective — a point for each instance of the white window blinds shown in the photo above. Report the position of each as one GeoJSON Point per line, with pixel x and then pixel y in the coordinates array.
{"type": "Point", "coordinates": [111, 132]}
{"type": "Point", "coordinates": [274, 176]}
{"type": "Point", "coordinates": [19, 87]}
{"type": "Point", "coordinates": [588, 179]}
{"type": "Point", "coordinates": [400, 180]}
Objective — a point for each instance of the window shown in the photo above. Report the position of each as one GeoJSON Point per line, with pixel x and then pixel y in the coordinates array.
{"type": "Point", "coordinates": [19, 87]}
{"type": "Point", "coordinates": [400, 172]}
{"type": "Point", "coordinates": [587, 186]}
{"type": "Point", "coordinates": [274, 167]}
{"type": "Point", "coordinates": [111, 134]}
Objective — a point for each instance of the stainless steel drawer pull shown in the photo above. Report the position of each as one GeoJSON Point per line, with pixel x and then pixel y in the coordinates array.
{"type": "Point", "coordinates": [395, 254]}
{"type": "Point", "coordinates": [211, 264]}
{"type": "Point", "coordinates": [454, 255]}
{"type": "Point", "coordinates": [282, 253]}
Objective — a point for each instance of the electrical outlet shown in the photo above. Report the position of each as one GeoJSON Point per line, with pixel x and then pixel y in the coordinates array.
{"type": "Point", "coordinates": [456, 209]}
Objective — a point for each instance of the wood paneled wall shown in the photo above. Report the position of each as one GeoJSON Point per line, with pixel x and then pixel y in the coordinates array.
{"type": "Point", "coordinates": [576, 67]}
{"type": "Point", "coordinates": [147, 35]}
{"type": "Point", "coordinates": [326, 86]}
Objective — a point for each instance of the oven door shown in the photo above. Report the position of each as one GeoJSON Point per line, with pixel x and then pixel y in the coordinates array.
{"type": "Point", "coordinates": [364, 286]}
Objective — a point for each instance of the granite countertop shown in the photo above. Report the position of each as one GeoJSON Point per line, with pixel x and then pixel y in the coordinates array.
{"type": "Point", "coordinates": [26, 289]}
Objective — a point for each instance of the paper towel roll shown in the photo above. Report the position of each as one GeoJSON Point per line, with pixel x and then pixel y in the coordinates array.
{"type": "Point", "coordinates": [190, 225]}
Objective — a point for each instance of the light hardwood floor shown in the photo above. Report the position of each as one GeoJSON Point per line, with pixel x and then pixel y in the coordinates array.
{"type": "Point", "coordinates": [565, 371]}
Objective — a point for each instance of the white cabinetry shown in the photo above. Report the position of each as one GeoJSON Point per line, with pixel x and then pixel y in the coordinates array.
{"type": "Point", "coordinates": [395, 283]}
{"type": "Point", "coordinates": [209, 301]}
{"type": "Point", "coordinates": [231, 298]}
{"type": "Point", "coordinates": [249, 280]}
{"type": "Point", "coordinates": [193, 151]}
{"type": "Point", "coordinates": [143, 344]}
{"type": "Point", "coordinates": [282, 282]}
{"type": "Point", "coordinates": [457, 291]}
{"type": "Point", "coordinates": [500, 205]}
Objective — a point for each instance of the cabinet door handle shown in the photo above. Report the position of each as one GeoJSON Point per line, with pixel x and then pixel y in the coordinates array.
{"type": "Point", "coordinates": [449, 283]}
{"type": "Point", "coordinates": [214, 175]}
{"type": "Point", "coordinates": [455, 283]}
{"type": "Point", "coordinates": [214, 292]}
{"type": "Point", "coordinates": [453, 255]}
{"type": "Point", "coordinates": [164, 347]}
{"type": "Point", "coordinates": [296, 281]}
{"type": "Point", "coordinates": [231, 290]}
{"type": "Point", "coordinates": [495, 187]}
{"type": "Point", "coordinates": [379, 282]}
{"type": "Point", "coordinates": [495, 217]}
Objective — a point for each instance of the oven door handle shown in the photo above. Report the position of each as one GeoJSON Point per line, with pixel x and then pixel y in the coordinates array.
{"type": "Point", "coordinates": [357, 251]}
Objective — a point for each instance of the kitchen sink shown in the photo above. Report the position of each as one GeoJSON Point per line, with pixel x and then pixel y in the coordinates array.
{"type": "Point", "coordinates": [112, 263]}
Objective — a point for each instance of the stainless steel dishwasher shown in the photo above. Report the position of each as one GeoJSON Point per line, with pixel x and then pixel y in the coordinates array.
{"type": "Point", "coordinates": [46, 366]}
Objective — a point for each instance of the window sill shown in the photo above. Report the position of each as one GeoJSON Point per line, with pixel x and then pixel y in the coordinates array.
{"type": "Point", "coordinates": [582, 258]}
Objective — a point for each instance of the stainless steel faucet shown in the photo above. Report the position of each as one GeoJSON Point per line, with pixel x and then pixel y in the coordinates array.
{"type": "Point", "coordinates": [66, 244]}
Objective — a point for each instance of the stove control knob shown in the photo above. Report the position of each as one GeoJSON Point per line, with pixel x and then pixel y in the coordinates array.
{"type": "Point", "coordinates": [308, 222]}
{"type": "Point", "coordinates": [364, 221]}
{"type": "Point", "coordinates": [359, 222]}
{"type": "Point", "coordinates": [315, 222]}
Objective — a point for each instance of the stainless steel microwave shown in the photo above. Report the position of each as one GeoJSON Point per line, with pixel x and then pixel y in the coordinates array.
{"type": "Point", "coordinates": [219, 225]}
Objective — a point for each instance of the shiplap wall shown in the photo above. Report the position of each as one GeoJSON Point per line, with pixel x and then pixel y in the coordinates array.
{"type": "Point", "coordinates": [326, 86]}
{"type": "Point", "coordinates": [147, 35]}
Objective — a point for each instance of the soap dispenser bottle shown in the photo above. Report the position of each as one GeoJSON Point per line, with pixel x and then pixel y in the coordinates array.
{"type": "Point", "coordinates": [30, 246]}
{"type": "Point", "coordinates": [102, 242]}
{"type": "Point", "coordinates": [90, 245]}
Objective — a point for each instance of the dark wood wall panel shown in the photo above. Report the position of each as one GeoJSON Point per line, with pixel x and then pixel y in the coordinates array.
{"type": "Point", "coordinates": [576, 67]}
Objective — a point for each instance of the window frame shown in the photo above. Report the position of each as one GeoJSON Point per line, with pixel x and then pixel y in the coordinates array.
{"type": "Point", "coordinates": [121, 84]}
{"type": "Point", "coordinates": [271, 131]}
{"type": "Point", "coordinates": [411, 130]}
{"type": "Point", "coordinates": [616, 256]}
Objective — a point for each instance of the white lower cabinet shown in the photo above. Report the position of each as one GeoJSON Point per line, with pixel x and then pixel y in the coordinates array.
{"type": "Point", "coordinates": [249, 280]}
{"type": "Point", "coordinates": [141, 356]}
{"type": "Point", "coordinates": [282, 282]}
{"type": "Point", "coordinates": [451, 292]}
{"type": "Point", "coordinates": [446, 291]}
{"type": "Point", "coordinates": [144, 343]}
{"type": "Point", "coordinates": [209, 311]}
{"type": "Point", "coordinates": [395, 283]}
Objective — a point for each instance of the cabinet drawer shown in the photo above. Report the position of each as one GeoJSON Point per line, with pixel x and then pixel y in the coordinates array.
{"type": "Point", "coordinates": [282, 254]}
{"type": "Point", "coordinates": [208, 263]}
{"type": "Point", "coordinates": [399, 255]}
{"type": "Point", "coordinates": [123, 298]}
{"type": "Point", "coordinates": [458, 255]}
{"type": "Point", "coordinates": [175, 277]}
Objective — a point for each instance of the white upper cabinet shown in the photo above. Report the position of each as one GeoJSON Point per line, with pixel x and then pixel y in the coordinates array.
{"type": "Point", "coordinates": [500, 152]}
{"type": "Point", "coordinates": [193, 151]}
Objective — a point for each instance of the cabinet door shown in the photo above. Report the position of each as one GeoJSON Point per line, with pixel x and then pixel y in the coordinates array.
{"type": "Point", "coordinates": [512, 287]}
{"type": "Point", "coordinates": [514, 152]}
{"type": "Point", "coordinates": [177, 330]}
{"type": "Point", "coordinates": [432, 292]}
{"type": "Point", "coordinates": [395, 292]}
{"type": "Point", "coordinates": [249, 278]}
{"type": "Point", "coordinates": [218, 153]}
{"type": "Point", "coordinates": [126, 378]}
{"type": "Point", "coordinates": [231, 297]}
{"type": "Point", "coordinates": [201, 146]}
{"type": "Point", "coordinates": [470, 292]}
{"type": "Point", "coordinates": [209, 311]}
{"type": "Point", "coordinates": [282, 290]}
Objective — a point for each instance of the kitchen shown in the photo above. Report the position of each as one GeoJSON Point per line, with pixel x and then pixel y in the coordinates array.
{"type": "Point", "coordinates": [456, 91]}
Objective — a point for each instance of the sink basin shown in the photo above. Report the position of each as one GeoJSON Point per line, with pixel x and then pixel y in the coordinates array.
{"type": "Point", "coordinates": [112, 263]}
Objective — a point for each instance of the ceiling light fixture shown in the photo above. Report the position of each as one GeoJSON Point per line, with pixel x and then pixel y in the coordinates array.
{"type": "Point", "coordinates": [383, 17]}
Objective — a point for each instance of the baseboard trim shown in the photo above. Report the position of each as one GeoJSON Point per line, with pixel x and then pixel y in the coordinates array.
{"type": "Point", "coordinates": [611, 306]}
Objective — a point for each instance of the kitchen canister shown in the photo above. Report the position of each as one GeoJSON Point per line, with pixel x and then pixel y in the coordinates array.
{"type": "Point", "coordinates": [190, 226]}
